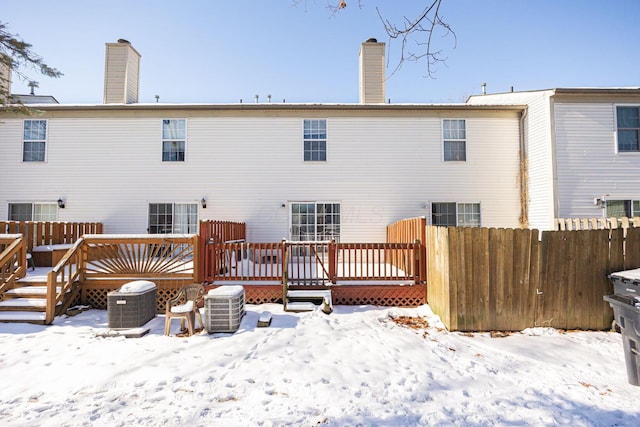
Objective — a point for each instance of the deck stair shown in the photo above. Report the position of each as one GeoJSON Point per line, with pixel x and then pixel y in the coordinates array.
{"type": "Point", "coordinates": [306, 300]}
{"type": "Point", "coordinates": [26, 302]}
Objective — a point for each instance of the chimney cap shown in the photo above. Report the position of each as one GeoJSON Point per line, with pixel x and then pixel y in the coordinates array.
{"type": "Point", "coordinates": [372, 40]}
{"type": "Point", "coordinates": [123, 41]}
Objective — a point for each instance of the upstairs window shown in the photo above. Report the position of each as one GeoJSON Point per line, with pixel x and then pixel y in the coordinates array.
{"type": "Point", "coordinates": [315, 140]}
{"type": "Point", "coordinates": [454, 137]}
{"type": "Point", "coordinates": [173, 140]}
{"type": "Point", "coordinates": [34, 140]}
{"type": "Point", "coordinates": [33, 211]}
{"type": "Point", "coordinates": [628, 126]}
{"type": "Point", "coordinates": [453, 214]}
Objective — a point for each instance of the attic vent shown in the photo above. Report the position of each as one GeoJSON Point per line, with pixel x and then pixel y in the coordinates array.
{"type": "Point", "coordinates": [123, 41]}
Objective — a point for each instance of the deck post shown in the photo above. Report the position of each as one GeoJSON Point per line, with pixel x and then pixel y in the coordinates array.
{"type": "Point", "coordinates": [333, 261]}
{"type": "Point", "coordinates": [50, 312]}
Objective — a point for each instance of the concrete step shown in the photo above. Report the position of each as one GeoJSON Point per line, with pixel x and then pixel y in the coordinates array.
{"type": "Point", "coordinates": [310, 294]}
{"type": "Point", "coordinates": [301, 306]}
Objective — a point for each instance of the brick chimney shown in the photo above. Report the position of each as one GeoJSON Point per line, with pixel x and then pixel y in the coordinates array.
{"type": "Point", "coordinates": [372, 72]}
{"type": "Point", "coordinates": [121, 73]}
{"type": "Point", "coordinates": [5, 74]}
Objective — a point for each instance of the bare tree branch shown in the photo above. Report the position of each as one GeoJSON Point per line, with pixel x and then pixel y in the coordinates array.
{"type": "Point", "coordinates": [418, 31]}
{"type": "Point", "coordinates": [424, 26]}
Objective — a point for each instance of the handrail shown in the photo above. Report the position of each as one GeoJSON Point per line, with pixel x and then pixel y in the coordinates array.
{"type": "Point", "coordinates": [13, 260]}
{"type": "Point", "coordinates": [61, 278]}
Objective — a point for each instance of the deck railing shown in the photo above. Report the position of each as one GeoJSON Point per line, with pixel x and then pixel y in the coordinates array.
{"type": "Point", "coordinates": [13, 260]}
{"type": "Point", "coordinates": [312, 263]}
{"type": "Point", "coordinates": [104, 262]}
{"type": "Point", "coordinates": [63, 277]}
{"type": "Point", "coordinates": [38, 233]}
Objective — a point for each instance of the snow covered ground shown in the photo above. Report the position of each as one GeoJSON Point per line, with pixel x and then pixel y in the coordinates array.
{"type": "Point", "coordinates": [356, 366]}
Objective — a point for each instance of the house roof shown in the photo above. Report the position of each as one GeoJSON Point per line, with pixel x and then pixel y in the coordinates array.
{"type": "Point", "coordinates": [591, 91]}
{"type": "Point", "coordinates": [277, 106]}
{"type": "Point", "coordinates": [35, 99]}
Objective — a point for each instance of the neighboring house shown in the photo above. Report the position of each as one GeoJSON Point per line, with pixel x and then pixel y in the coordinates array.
{"type": "Point", "coordinates": [295, 171]}
{"type": "Point", "coordinates": [582, 149]}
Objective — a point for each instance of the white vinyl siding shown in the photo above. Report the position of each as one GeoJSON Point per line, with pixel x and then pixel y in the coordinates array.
{"type": "Point", "coordinates": [382, 169]}
{"type": "Point", "coordinates": [539, 151]}
{"type": "Point", "coordinates": [587, 160]}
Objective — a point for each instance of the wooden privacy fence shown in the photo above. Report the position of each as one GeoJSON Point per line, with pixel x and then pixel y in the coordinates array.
{"type": "Point", "coordinates": [482, 279]}
{"type": "Point", "coordinates": [412, 230]}
{"type": "Point", "coordinates": [218, 232]}
{"type": "Point", "coordinates": [567, 224]}
{"type": "Point", "coordinates": [41, 233]}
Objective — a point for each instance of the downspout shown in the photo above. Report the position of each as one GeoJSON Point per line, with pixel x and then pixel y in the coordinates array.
{"type": "Point", "coordinates": [524, 174]}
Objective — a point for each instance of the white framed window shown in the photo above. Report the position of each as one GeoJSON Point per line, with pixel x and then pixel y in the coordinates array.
{"type": "Point", "coordinates": [315, 140]}
{"type": "Point", "coordinates": [173, 218]}
{"type": "Point", "coordinates": [315, 221]}
{"type": "Point", "coordinates": [34, 141]}
{"type": "Point", "coordinates": [174, 140]}
{"type": "Point", "coordinates": [452, 214]}
{"type": "Point", "coordinates": [47, 211]}
{"type": "Point", "coordinates": [628, 128]}
{"type": "Point", "coordinates": [623, 208]}
{"type": "Point", "coordinates": [454, 140]}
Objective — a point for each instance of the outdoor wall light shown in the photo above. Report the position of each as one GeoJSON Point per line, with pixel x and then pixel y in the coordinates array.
{"type": "Point", "coordinates": [61, 203]}
{"type": "Point", "coordinates": [283, 205]}
{"type": "Point", "coordinates": [203, 203]}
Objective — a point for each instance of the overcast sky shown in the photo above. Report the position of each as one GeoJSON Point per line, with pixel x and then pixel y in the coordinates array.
{"type": "Point", "coordinates": [222, 51]}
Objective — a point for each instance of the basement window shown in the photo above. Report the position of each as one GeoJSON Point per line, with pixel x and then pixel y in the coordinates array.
{"type": "Point", "coordinates": [453, 214]}
{"type": "Point", "coordinates": [33, 211]}
{"type": "Point", "coordinates": [623, 208]}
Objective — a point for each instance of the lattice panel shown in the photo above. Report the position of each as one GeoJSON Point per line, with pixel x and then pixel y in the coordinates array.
{"type": "Point", "coordinates": [96, 298]}
{"type": "Point", "coordinates": [398, 296]}
{"type": "Point", "coordinates": [386, 296]}
{"type": "Point", "coordinates": [263, 295]}
{"type": "Point", "coordinates": [163, 296]}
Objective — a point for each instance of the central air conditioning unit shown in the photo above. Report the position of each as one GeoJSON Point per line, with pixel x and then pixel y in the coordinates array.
{"type": "Point", "coordinates": [224, 309]}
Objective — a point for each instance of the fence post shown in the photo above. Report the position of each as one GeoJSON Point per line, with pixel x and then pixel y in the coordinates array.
{"type": "Point", "coordinates": [419, 261]}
